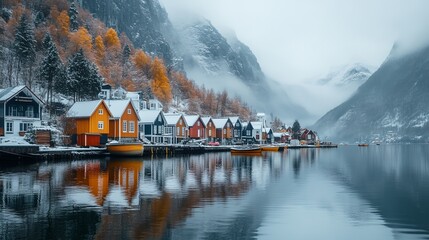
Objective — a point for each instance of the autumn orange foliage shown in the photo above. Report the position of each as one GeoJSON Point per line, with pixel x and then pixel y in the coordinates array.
{"type": "Point", "coordinates": [81, 39]}
{"type": "Point", "coordinates": [112, 40]}
{"type": "Point", "coordinates": [160, 84]}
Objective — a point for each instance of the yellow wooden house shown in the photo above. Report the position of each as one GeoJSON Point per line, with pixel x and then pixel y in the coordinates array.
{"type": "Point", "coordinates": [88, 123]}
{"type": "Point", "coordinates": [124, 121]}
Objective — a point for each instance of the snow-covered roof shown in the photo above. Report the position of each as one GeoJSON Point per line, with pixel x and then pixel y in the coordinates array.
{"type": "Point", "coordinates": [118, 107]}
{"type": "Point", "coordinates": [84, 109]}
{"type": "Point", "coordinates": [244, 125]}
{"type": "Point", "coordinates": [260, 114]}
{"type": "Point", "coordinates": [10, 92]}
{"type": "Point", "coordinates": [191, 119]}
{"type": "Point", "coordinates": [172, 118]}
{"type": "Point", "coordinates": [256, 125]}
{"type": "Point", "coordinates": [278, 135]}
{"type": "Point", "coordinates": [234, 119]}
{"type": "Point", "coordinates": [206, 120]}
{"type": "Point", "coordinates": [149, 116]}
{"type": "Point", "coordinates": [220, 122]}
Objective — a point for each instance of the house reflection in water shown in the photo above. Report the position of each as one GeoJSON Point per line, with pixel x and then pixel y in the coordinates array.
{"type": "Point", "coordinates": [119, 198]}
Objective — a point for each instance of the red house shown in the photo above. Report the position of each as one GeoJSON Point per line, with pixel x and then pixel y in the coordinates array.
{"type": "Point", "coordinates": [197, 128]}
{"type": "Point", "coordinates": [309, 136]}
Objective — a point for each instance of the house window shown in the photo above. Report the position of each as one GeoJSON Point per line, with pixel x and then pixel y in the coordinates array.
{"type": "Point", "coordinates": [159, 118]}
{"type": "Point", "coordinates": [23, 127]}
{"type": "Point", "coordinates": [132, 126]}
{"type": "Point", "coordinates": [248, 133]}
{"type": "Point", "coordinates": [100, 125]}
{"type": "Point", "coordinates": [124, 126]}
{"type": "Point", "coordinates": [178, 131]}
{"type": "Point", "coordinates": [129, 111]}
{"type": "Point", "coordinates": [180, 121]}
{"type": "Point", "coordinates": [210, 124]}
{"type": "Point", "coordinates": [210, 132]}
{"type": "Point", "coordinates": [237, 125]}
{"type": "Point", "coordinates": [100, 111]}
{"type": "Point", "coordinates": [160, 129]}
{"type": "Point", "coordinates": [29, 112]}
{"type": "Point", "coordinates": [198, 123]}
{"type": "Point", "coordinates": [9, 127]}
{"type": "Point", "coordinates": [224, 131]}
{"type": "Point", "coordinates": [199, 133]}
{"type": "Point", "coordinates": [154, 129]}
{"type": "Point", "coordinates": [13, 111]}
{"type": "Point", "coordinates": [169, 130]}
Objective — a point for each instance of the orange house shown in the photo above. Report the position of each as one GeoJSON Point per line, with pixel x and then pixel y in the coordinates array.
{"type": "Point", "coordinates": [210, 128]}
{"type": "Point", "coordinates": [88, 123]}
{"type": "Point", "coordinates": [223, 129]}
{"type": "Point", "coordinates": [124, 120]}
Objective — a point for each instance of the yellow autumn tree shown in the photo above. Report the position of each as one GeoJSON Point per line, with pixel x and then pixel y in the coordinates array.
{"type": "Point", "coordinates": [160, 84]}
{"type": "Point", "coordinates": [100, 49]}
{"type": "Point", "coordinates": [81, 39]}
{"type": "Point", "coordinates": [142, 62]}
{"type": "Point", "coordinates": [63, 20]}
{"type": "Point", "coordinates": [112, 40]}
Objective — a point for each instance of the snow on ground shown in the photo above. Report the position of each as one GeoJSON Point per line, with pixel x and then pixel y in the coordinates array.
{"type": "Point", "coordinates": [13, 140]}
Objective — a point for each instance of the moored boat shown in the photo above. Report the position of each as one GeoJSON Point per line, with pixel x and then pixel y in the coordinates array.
{"type": "Point", "coordinates": [246, 150]}
{"type": "Point", "coordinates": [271, 148]}
{"type": "Point", "coordinates": [363, 144]}
{"type": "Point", "coordinates": [132, 149]}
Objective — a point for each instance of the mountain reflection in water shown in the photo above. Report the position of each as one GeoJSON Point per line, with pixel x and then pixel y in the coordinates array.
{"type": "Point", "coordinates": [379, 192]}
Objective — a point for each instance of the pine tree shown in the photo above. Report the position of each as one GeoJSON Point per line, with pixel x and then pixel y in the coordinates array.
{"type": "Point", "coordinates": [73, 14]}
{"type": "Point", "coordinates": [25, 47]}
{"type": "Point", "coordinates": [295, 128]}
{"type": "Point", "coordinates": [84, 78]}
{"type": "Point", "coordinates": [126, 54]}
{"type": "Point", "coordinates": [51, 67]}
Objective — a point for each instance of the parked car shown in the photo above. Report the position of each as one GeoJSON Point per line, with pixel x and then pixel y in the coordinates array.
{"type": "Point", "coordinates": [213, 143]}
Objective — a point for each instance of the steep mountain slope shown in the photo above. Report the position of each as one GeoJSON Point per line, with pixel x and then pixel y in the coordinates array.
{"type": "Point", "coordinates": [393, 101]}
{"type": "Point", "coordinates": [352, 75]}
{"type": "Point", "coordinates": [146, 23]}
{"type": "Point", "coordinates": [200, 50]}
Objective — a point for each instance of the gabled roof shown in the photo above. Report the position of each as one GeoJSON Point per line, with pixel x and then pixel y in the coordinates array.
{"type": "Point", "coordinates": [149, 116]}
{"type": "Point", "coordinates": [7, 93]}
{"type": "Point", "coordinates": [118, 107]}
{"type": "Point", "coordinates": [234, 119]}
{"type": "Point", "coordinates": [173, 118]}
{"type": "Point", "coordinates": [256, 125]}
{"type": "Point", "coordinates": [206, 120]}
{"type": "Point", "coordinates": [191, 119]}
{"type": "Point", "coordinates": [244, 125]}
{"type": "Point", "coordinates": [85, 109]}
{"type": "Point", "coordinates": [220, 122]}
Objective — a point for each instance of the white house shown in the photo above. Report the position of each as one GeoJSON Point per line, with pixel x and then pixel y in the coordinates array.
{"type": "Point", "coordinates": [20, 109]}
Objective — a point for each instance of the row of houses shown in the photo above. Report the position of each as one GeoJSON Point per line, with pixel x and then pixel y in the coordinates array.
{"type": "Point", "coordinates": [94, 123]}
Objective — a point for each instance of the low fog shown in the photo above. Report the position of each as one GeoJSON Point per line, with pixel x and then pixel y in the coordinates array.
{"type": "Point", "coordinates": [299, 42]}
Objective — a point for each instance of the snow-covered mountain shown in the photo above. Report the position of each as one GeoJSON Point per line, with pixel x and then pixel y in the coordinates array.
{"type": "Point", "coordinates": [392, 102]}
{"type": "Point", "coordinates": [199, 49]}
{"type": "Point", "coordinates": [352, 75]}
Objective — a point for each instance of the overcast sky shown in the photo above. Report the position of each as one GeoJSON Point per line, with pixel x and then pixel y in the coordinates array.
{"type": "Point", "coordinates": [299, 41]}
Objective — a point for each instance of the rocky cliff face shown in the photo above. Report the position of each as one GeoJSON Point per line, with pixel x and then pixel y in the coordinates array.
{"type": "Point", "coordinates": [391, 105]}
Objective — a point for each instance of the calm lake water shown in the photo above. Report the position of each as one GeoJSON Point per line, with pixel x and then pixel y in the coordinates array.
{"type": "Point", "coordinates": [375, 192]}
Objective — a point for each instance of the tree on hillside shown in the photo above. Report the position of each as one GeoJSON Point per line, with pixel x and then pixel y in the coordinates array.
{"type": "Point", "coordinates": [81, 39]}
{"type": "Point", "coordinates": [295, 129]}
{"type": "Point", "coordinates": [276, 124]}
{"type": "Point", "coordinates": [126, 53]}
{"type": "Point", "coordinates": [112, 40]}
{"type": "Point", "coordinates": [84, 79]}
{"type": "Point", "coordinates": [24, 48]}
{"type": "Point", "coordinates": [51, 69]}
{"type": "Point", "coordinates": [160, 84]}
{"type": "Point", "coordinates": [100, 49]}
{"type": "Point", "coordinates": [73, 14]}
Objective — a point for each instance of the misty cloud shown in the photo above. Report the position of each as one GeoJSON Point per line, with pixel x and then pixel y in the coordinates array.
{"type": "Point", "coordinates": [297, 42]}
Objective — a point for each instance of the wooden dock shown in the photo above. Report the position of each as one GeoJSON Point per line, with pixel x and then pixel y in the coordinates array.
{"type": "Point", "coordinates": [170, 150]}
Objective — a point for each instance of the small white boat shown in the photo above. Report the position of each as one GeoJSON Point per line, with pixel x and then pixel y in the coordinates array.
{"type": "Point", "coordinates": [247, 149]}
